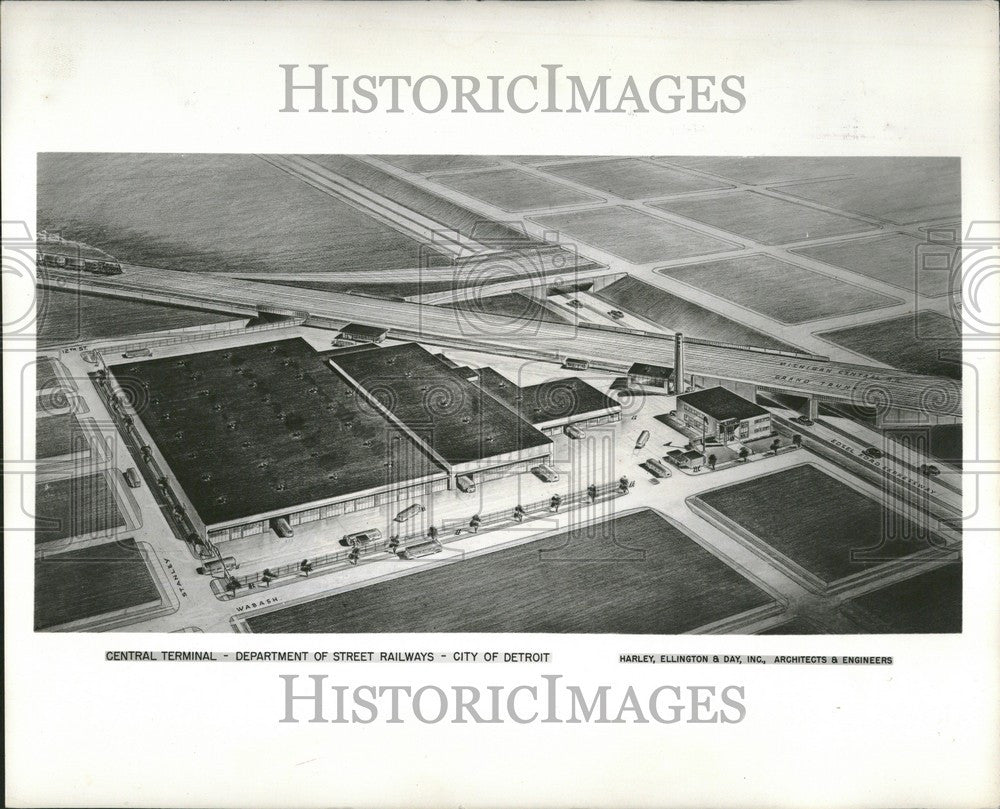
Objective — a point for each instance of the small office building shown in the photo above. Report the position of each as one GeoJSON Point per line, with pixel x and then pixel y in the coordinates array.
{"type": "Point", "coordinates": [723, 415]}
{"type": "Point", "coordinates": [642, 374]}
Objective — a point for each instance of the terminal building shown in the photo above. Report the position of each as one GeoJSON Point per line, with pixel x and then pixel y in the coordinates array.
{"type": "Point", "coordinates": [271, 435]}
{"type": "Point", "coordinates": [554, 405]}
{"type": "Point", "coordinates": [267, 431]}
{"type": "Point", "coordinates": [723, 415]}
{"type": "Point", "coordinates": [467, 432]}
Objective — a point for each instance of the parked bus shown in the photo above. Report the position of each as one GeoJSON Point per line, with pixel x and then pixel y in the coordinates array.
{"type": "Point", "coordinates": [642, 439]}
{"type": "Point", "coordinates": [132, 478]}
{"type": "Point", "coordinates": [213, 566]}
{"type": "Point", "coordinates": [656, 468]}
{"type": "Point", "coordinates": [575, 364]}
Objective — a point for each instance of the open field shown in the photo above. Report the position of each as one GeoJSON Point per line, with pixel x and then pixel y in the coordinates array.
{"type": "Point", "coordinates": [632, 178]}
{"type": "Point", "coordinates": [514, 190]}
{"type": "Point", "coordinates": [762, 218]}
{"type": "Point", "coordinates": [782, 291]}
{"type": "Point", "coordinates": [429, 163]}
{"type": "Point", "coordinates": [814, 520]}
{"type": "Point", "coordinates": [58, 435]}
{"type": "Point", "coordinates": [73, 507]}
{"type": "Point", "coordinates": [907, 343]}
{"type": "Point", "coordinates": [91, 581]}
{"type": "Point", "coordinates": [449, 214]}
{"type": "Point", "coordinates": [633, 236]}
{"type": "Point", "coordinates": [797, 626]}
{"type": "Point", "coordinates": [928, 603]}
{"type": "Point", "coordinates": [901, 190]}
{"type": "Point", "coordinates": [209, 213]}
{"type": "Point", "coordinates": [395, 291]}
{"type": "Point", "coordinates": [512, 304]}
{"type": "Point", "coordinates": [677, 314]}
{"type": "Point", "coordinates": [763, 170]}
{"type": "Point", "coordinates": [943, 441]}
{"type": "Point", "coordinates": [578, 586]}
{"type": "Point", "coordinates": [66, 317]}
{"type": "Point", "coordinates": [46, 375]}
{"type": "Point", "coordinates": [891, 259]}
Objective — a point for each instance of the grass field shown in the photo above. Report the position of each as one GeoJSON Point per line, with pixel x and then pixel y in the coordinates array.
{"type": "Point", "coordinates": [944, 441]}
{"type": "Point", "coordinates": [429, 163]}
{"type": "Point", "coordinates": [813, 519]}
{"type": "Point", "coordinates": [781, 291]}
{"type": "Point", "coordinates": [73, 507]}
{"type": "Point", "coordinates": [58, 435]}
{"type": "Point", "coordinates": [797, 626]}
{"type": "Point", "coordinates": [633, 236]}
{"type": "Point", "coordinates": [45, 373]}
{"type": "Point", "coordinates": [901, 190]}
{"type": "Point", "coordinates": [764, 219]}
{"type": "Point", "coordinates": [676, 588]}
{"type": "Point", "coordinates": [394, 291]}
{"type": "Point", "coordinates": [763, 170]}
{"type": "Point", "coordinates": [925, 604]}
{"type": "Point", "coordinates": [891, 259]}
{"type": "Point", "coordinates": [677, 314]}
{"type": "Point", "coordinates": [90, 582]}
{"type": "Point", "coordinates": [449, 214]}
{"type": "Point", "coordinates": [907, 344]}
{"type": "Point", "coordinates": [509, 305]}
{"type": "Point", "coordinates": [514, 190]}
{"type": "Point", "coordinates": [71, 317]}
{"type": "Point", "coordinates": [632, 178]}
{"type": "Point", "coordinates": [209, 213]}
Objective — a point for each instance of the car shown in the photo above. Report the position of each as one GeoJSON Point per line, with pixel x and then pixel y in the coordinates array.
{"type": "Point", "coordinates": [132, 478]}
{"type": "Point", "coordinates": [409, 512]}
{"type": "Point", "coordinates": [545, 473]}
{"type": "Point", "coordinates": [872, 452]}
{"type": "Point", "coordinates": [616, 314]}
{"type": "Point", "coordinates": [574, 303]}
{"type": "Point", "coordinates": [930, 470]}
{"type": "Point", "coordinates": [359, 538]}
{"type": "Point", "coordinates": [656, 469]}
{"type": "Point", "coordinates": [573, 432]}
{"type": "Point", "coordinates": [466, 484]}
{"type": "Point", "coordinates": [804, 421]}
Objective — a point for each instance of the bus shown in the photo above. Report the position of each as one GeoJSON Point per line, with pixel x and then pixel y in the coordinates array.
{"type": "Point", "coordinates": [640, 442]}
{"type": "Point", "coordinates": [575, 364]}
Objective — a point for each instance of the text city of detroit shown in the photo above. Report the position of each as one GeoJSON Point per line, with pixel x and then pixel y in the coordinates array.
{"type": "Point", "coordinates": [312, 88]}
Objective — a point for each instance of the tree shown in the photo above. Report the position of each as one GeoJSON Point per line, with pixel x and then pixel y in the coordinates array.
{"type": "Point", "coordinates": [744, 453]}
{"type": "Point", "coordinates": [306, 567]}
{"type": "Point", "coordinates": [712, 461]}
{"type": "Point", "coordinates": [432, 532]}
{"type": "Point", "coordinates": [162, 483]}
{"type": "Point", "coordinates": [232, 584]}
{"type": "Point", "coordinates": [146, 452]}
{"type": "Point", "coordinates": [774, 446]}
{"type": "Point", "coordinates": [797, 440]}
{"type": "Point", "coordinates": [267, 577]}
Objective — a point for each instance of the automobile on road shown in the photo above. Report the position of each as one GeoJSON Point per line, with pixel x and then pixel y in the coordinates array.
{"type": "Point", "coordinates": [872, 452]}
{"type": "Point", "coordinates": [545, 473]}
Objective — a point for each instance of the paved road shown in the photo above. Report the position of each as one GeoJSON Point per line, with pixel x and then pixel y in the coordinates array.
{"type": "Point", "coordinates": [847, 382]}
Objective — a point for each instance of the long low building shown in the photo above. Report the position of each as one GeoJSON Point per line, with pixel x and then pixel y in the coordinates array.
{"type": "Point", "coordinates": [269, 431]}
{"type": "Point", "coordinates": [466, 431]}
{"type": "Point", "coordinates": [553, 405]}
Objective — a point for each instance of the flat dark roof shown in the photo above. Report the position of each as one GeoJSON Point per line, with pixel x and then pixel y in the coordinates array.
{"type": "Point", "coordinates": [722, 404]}
{"type": "Point", "coordinates": [645, 369]}
{"type": "Point", "coordinates": [267, 427]}
{"type": "Point", "coordinates": [548, 401]}
{"type": "Point", "coordinates": [563, 398]}
{"type": "Point", "coordinates": [452, 415]}
{"type": "Point", "coordinates": [365, 332]}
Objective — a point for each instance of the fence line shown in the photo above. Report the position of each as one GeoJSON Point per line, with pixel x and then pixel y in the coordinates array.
{"type": "Point", "coordinates": [317, 563]}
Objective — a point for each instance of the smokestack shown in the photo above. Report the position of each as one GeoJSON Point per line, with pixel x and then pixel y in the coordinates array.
{"type": "Point", "coordinates": [678, 363]}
